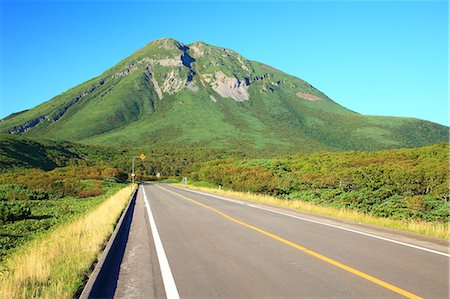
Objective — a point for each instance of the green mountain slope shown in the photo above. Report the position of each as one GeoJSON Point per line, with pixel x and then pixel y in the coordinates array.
{"type": "Point", "coordinates": [170, 94]}
{"type": "Point", "coordinates": [18, 153]}
{"type": "Point", "coordinates": [22, 152]}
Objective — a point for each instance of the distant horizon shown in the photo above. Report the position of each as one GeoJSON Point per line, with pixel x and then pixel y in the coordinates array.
{"type": "Point", "coordinates": [374, 58]}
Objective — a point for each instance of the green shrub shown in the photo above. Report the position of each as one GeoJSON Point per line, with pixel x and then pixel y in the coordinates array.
{"type": "Point", "coordinates": [203, 184]}
{"type": "Point", "coordinates": [21, 192]}
{"type": "Point", "coordinates": [400, 184]}
{"type": "Point", "coordinates": [171, 180]}
{"type": "Point", "coordinates": [14, 211]}
{"type": "Point", "coordinates": [434, 209]}
{"type": "Point", "coordinates": [394, 207]}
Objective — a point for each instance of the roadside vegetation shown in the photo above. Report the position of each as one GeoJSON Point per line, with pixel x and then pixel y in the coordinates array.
{"type": "Point", "coordinates": [409, 186]}
{"type": "Point", "coordinates": [32, 201]}
{"type": "Point", "coordinates": [57, 264]}
{"type": "Point", "coordinates": [57, 209]}
{"type": "Point", "coordinates": [436, 230]}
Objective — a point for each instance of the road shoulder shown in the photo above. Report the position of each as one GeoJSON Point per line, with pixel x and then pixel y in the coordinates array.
{"type": "Point", "coordinates": [413, 239]}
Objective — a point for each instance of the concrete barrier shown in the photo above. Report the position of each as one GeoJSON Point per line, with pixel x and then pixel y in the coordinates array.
{"type": "Point", "coordinates": [102, 282]}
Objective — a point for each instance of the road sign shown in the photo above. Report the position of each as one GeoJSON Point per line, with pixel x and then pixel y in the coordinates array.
{"type": "Point", "coordinates": [142, 156]}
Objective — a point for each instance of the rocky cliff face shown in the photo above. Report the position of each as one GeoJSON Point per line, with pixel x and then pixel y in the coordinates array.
{"type": "Point", "coordinates": [169, 93]}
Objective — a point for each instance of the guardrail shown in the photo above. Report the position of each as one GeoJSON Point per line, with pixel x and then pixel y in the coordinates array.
{"type": "Point", "coordinates": [100, 283]}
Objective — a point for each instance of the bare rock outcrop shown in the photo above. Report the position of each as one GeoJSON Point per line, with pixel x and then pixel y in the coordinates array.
{"type": "Point", "coordinates": [176, 61]}
{"type": "Point", "coordinates": [228, 87]}
{"type": "Point", "coordinates": [192, 86]}
{"type": "Point", "coordinates": [308, 96]}
{"type": "Point", "coordinates": [213, 98]}
{"type": "Point", "coordinates": [271, 68]}
{"type": "Point", "coordinates": [152, 79]}
{"type": "Point", "coordinates": [198, 49]}
{"type": "Point", "coordinates": [173, 82]}
{"type": "Point", "coordinates": [165, 43]}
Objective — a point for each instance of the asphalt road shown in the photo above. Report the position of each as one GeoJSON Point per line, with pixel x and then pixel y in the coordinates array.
{"type": "Point", "coordinates": [214, 248]}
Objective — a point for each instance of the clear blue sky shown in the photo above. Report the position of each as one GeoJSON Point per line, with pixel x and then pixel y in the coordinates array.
{"type": "Point", "coordinates": [377, 58]}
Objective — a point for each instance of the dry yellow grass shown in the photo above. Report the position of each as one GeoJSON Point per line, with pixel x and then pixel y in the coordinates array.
{"type": "Point", "coordinates": [425, 228]}
{"type": "Point", "coordinates": [54, 267]}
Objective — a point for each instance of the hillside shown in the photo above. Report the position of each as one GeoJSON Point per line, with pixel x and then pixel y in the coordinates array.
{"type": "Point", "coordinates": [198, 95]}
{"type": "Point", "coordinates": [18, 153]}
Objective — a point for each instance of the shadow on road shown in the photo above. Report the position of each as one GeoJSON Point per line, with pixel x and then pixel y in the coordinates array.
{"type": "Point", "coordinates": [106, 283]}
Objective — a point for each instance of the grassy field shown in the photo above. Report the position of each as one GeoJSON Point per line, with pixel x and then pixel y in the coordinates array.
{"type": "Point", "coordinates": [53, 219]}
{"type": "Point", "coordinates": [437, 230]}
{"type": "Point", "coordinates": [56, 264]}
{"type": "Point", "coordinates": [45, 215]}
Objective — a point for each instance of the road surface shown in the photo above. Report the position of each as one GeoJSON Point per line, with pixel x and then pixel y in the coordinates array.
{"type": "Point", "coordinates": [198, 246]}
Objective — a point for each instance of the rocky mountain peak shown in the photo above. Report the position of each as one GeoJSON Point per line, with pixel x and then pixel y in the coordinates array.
{"type": "Point", "coordinates": [199, 94]}
{"type": "Point", "coordinates": [165, 43]}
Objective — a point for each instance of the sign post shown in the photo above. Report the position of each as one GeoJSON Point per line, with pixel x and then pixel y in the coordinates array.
{"type": "Point", "coordinates": [142, 157]}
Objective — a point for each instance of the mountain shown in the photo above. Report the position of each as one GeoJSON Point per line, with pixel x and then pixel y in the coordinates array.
{"type": "Point", "coordinates": [171, 94]}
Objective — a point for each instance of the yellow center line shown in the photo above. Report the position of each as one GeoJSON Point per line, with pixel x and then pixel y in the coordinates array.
{"type": "Point", "coordinates": [306, 250]}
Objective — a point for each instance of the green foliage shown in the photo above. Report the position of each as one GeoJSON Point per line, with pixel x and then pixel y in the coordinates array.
{"type": "Point", "coordinates": [21, 192]}
{"type": "Point", "coordinates": [399, 184]}
{"type": "Point", "coordinates": [32, 201]}
{"type": "Point", "coordinates": [114, 163]}
{"type": "Point", "coordinates": [201, 184]}
{"type": "Point", "coordinates": [71, 181]}
{"type": "Point", "coordinates": [14, 211]}
{"type": "Point", "coordinates": [170, 180]}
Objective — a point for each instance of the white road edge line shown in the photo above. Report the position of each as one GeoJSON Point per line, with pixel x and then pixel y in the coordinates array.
{"type": "Point", "coordinates": [317, 222]}
{"type": "Point", "coordinates": [166, 273]}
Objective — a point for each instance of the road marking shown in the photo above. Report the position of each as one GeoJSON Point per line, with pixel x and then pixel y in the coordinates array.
{"type": "Point", "coordinates": [318, 222]}
{"type": "Point", "coordinates": [169, 283]}
{"type": "Point", "coordinates": [304, 249]}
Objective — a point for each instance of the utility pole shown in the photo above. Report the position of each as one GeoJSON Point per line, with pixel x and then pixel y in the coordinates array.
{"type": "Point", "coordinates": [142, 157]}
{"type": "Point", "coordinates": [132, 170]}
